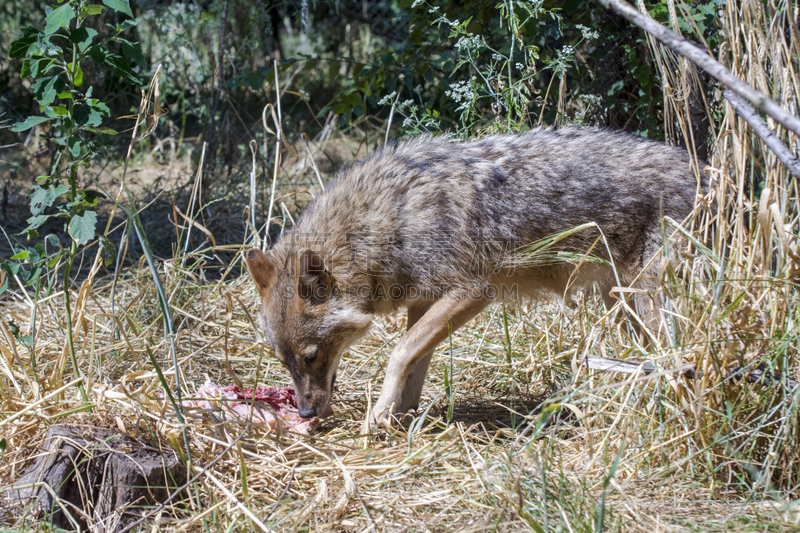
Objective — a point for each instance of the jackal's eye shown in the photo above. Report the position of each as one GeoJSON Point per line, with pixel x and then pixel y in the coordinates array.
{"type": "Point", "coordinates": [313, 357]}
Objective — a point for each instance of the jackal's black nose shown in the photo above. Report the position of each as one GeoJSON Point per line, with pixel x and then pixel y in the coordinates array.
{"type": "Point", "coordinates": [307, 413]}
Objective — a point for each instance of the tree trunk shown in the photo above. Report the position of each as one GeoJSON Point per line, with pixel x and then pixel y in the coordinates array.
{"type": "Point", "coordinates": [92, 478]}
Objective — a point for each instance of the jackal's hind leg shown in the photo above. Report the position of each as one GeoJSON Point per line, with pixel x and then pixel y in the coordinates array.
{"type": "Point", "coordinates": [605, 292]}
{"type": "Point", "coordinates": [412, 390]}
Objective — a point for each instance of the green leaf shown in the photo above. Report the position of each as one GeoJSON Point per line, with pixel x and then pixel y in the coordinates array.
{"type": "Point", "coordinates": [55, 259]}
{"type": "Point", "coordinates": [35, 222]}
{"type": "Point", "coordinates": [60, 16]}
{"type": "Point", "coordinates": [97, 104]}
{"type": "Point", "coordinates": [19, 48]}
{"type": "Point", "coordinates": [89, 116]}
{"type": "Point", "coordinates": [40, 67]}
{"type": "Point", "coordinates": [74, 147]}
{"type": "Point", "coordinates": [42, 198]}
{"type": "Point", "coordinates": [116, 62]}
{"type": "Point", "coordinates": [128, 24]}
{"type": "Point", "coordinates": [90, 196]}
{"type": "Point", "coordinates": [123, 6]}
{"type": "Point", "coordinates": [22, 255]}
{"type": "Point", "coordinates": [26, 67]}
{"type": "Point", "coordinates": [106, 131]}
{"type": "Point", "coordinates": [108, 251]}
{"type": "Point", "coordinates": [132, 52]}
{"type": "Point", "coordinates": [81, 227]}
{"type": "Point", "coordinates": [10, 268]}
{"type": "Point", "coordinates": [93, 9]}
{"type": "Point", "coordinates": [27, 340]}
{"type": "Point", "coordinates": [86, 116]}
{"type": "Point", "coordinates": [56, 112]}
{"type": "Point", "coordinates": [28, 123]}
{"type": "Point", "coordinates": [78, 73]}
{"type": "Point", "coordinates": [82, 37]}
{"type": "Point", "coordinates": [11, 324]}
{"type": "Point", "coordinates": [46, 89]}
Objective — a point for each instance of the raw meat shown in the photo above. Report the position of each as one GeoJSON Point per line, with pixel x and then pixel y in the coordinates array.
{"type": "Point", "coordinates": [270, 405]}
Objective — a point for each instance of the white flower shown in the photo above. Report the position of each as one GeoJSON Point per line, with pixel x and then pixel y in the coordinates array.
{"type": "Point", "coordinates": [469, 44]}
{"type": "Point", "coordinates": [519, 66]}
{"type": "Point", "coordinates": [386, 100]}
{"type": "Point", "coordinates": [591, 99]}
{"type": "Point", "coordinates": [461, 91]}
{"type": "Point", "coordinates": [587, 33]}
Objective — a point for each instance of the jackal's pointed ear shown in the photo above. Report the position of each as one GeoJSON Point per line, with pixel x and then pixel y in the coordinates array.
{"type": "Point", "coordinates": [313, 279]}
{"type": "Point", "coordinates": [262, 270]}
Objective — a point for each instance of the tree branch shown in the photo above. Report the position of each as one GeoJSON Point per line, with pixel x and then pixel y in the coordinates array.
{"type": "Point", "coordinates": [762, 130]}
{"type": "Point", "coordinates": [700, 57]}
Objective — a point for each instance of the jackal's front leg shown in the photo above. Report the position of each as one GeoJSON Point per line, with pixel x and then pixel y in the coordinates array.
{"type": "Point", "coordinates": [447, 314]}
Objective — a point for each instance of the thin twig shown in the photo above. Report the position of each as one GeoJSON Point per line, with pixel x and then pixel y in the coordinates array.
{"type": "Point", "coordinates": [285, 490]}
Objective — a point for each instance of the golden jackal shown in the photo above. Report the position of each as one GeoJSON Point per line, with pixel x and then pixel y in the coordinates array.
{"type": "Point", "coordinates": [438, 227]}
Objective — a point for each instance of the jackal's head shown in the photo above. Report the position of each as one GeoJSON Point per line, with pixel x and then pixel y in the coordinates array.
{"type": "Point", "coordinates": [308, 320]}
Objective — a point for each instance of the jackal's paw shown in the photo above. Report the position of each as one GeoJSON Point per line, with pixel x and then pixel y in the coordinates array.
{"type": "Point", "coordinates": [381, 417]}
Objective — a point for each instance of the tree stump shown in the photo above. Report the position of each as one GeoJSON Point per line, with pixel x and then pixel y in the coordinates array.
{"type": "Point", "coordinates": [91, 479]}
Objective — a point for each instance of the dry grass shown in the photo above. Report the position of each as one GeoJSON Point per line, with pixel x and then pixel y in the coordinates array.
{"type": "Point", "coordinates": [488, 469]}
{"type": "Point", "coordinates": [539, 444]}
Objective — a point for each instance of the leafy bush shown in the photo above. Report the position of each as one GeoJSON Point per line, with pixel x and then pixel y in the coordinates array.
{"type": "Point", "coordinates": [54, 58]}
{"type": "Point", "coordinates": [490, 67]}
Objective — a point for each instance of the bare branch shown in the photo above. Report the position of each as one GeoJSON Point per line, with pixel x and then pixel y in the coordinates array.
{"type": "Point", "coordinates": [762, 130]}
{"type": "Point", "coordinates": [700, 57]}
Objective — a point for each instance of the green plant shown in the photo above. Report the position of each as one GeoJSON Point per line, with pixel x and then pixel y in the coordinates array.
{"type": "Point", "coordinates": [486, 67]}
{"type": "Point", "coordinates": [54, 58]}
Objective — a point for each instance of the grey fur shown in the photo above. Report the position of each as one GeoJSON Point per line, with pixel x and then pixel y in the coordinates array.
{"type": "Point", "coordinates": [434, 216]}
